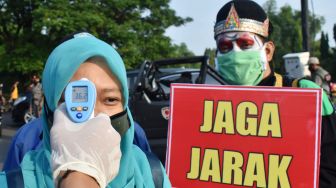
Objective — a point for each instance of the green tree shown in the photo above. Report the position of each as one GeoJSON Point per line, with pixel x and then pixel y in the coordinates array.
{"type": "Point", "coordinates": [324, 46]}
{"type": "Point", "coordinates": [30, 29]}
{"type": "Point", "coordinates": [334, 30]}
{"type": "Point", "coordinates": [181, 51]}
{"type": "Point", "coordinates": [334, 48]}
{"type": "Point", "coordinates": [212, 54]}
{"type": "Point", "coordinates": [270, 7]}
{"type": "Point", "coordinates": [287, 34]}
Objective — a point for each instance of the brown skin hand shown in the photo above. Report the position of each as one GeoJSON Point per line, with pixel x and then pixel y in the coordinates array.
{"type": "Point", "coordinates": [78, 179]}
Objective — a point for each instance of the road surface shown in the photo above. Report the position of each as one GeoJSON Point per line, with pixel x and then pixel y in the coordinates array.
{"type": "Point", "coordinates": [8, 130]}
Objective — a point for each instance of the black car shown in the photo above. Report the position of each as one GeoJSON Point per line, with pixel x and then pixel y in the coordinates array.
{"type": "Point", "coordinates": [2, 109]}
{"type": "Point", "coordinates": [149, 89]}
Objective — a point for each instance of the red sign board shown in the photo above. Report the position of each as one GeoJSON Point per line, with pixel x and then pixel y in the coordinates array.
{"type": "Point", "coordinates": [231, 136]}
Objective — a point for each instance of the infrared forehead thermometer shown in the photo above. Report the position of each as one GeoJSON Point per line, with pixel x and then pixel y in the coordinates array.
{"type": "Point", "coordinates": [80, 99]}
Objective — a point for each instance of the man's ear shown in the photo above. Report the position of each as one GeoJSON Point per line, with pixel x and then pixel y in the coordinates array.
{"type": "Point", "coordinates": [269, 48]}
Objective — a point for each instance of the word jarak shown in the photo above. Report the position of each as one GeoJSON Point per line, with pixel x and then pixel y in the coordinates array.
{"type": "Point", "coordinates": [208, 168]}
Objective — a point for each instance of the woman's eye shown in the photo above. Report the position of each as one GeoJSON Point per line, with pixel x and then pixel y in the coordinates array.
{"type": "Point", "coordinates": [110, 100]}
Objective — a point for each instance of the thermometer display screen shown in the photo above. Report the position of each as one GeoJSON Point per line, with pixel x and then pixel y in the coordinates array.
{"type": "Point", "coordinates": [79, 94]}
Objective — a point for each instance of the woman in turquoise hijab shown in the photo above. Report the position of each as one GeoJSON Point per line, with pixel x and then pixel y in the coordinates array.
{"type": "Point", "coordinates": [65, 64]}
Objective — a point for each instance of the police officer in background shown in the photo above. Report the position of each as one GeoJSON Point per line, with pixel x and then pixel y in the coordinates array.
{"type": "Point", "coordinates": [37, 96]}
{"type": "Point", "coordinates": [244, 52]}
{"type": "Point", "coordinates": [320, 76]}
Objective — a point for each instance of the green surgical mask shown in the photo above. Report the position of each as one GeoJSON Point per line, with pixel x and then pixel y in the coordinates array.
{"type": "Point", "coordinates": [242, 67]}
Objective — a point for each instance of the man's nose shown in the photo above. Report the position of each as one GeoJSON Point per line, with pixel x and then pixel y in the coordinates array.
{"type": "Point", "coordinates": [235, 47]}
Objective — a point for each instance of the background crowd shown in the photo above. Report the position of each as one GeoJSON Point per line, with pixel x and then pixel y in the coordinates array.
{"type": "Point", "coordinates": [31, 90]}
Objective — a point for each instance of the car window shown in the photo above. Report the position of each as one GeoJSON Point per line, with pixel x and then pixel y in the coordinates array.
{"type": "Point", "coordinates": [131, 78]}
{"type": "Point", "coordinates": [209, 79]}
{"type": "Point", "coordinates": [171, 78]}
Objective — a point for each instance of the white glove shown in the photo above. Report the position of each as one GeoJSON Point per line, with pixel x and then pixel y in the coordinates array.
{"type": "Point", "coordinates": [92, 147]}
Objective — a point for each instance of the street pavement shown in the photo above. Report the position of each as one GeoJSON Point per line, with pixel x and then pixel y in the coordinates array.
{"type": "Point", "coordinates": [8, 130]}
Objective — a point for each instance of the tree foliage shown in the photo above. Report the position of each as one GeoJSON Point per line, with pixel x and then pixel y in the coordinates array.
{"type": "Point", "coordinates": [211, 53]}
{"type": "Point", "coordinates": [181, 51]}
{"type": "Point", "coordinates": [328, 55]}
{"type": "Point", "coordinates": [324, 46]}
{"type": "Point", "coordinates": [334, 32]}
{"type": "Point", "coordinates": [30, 29]}
{"type": "Point", "coordinates": [287, 34]}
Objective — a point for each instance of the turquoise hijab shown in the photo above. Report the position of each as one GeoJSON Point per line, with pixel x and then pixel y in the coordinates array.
{"type": "Point", "coordinates": [61, 65]}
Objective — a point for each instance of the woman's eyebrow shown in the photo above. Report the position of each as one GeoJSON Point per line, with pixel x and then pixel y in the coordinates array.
{"type": "Point", "coordinates": [110, 90]}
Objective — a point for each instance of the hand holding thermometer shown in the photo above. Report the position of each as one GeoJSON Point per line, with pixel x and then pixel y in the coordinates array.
{"type": "Point", "coordinates": [80, 99]}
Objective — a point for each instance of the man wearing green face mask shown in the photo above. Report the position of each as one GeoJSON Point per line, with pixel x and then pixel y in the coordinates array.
{"type": "Point", "coordinates": [244, 53]}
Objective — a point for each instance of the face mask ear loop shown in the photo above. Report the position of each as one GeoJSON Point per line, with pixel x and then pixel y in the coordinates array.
{"type": "Point", "coordinates": [216, 64]}
{"type": "Point", "coordinates": [218, 54]}
{"type": "Point", "coordinates": [263, 57]}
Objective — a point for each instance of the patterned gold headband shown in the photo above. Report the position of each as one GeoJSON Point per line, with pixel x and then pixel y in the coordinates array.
{"type": "Point", "coordinates": [234, 23]}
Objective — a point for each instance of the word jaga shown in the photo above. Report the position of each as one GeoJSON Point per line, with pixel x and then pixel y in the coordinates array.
{"type": "Point", "coordinates": [247, 122]}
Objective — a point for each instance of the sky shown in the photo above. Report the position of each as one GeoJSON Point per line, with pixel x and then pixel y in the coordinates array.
{"type": "Point", "coordinates": [198, 34]}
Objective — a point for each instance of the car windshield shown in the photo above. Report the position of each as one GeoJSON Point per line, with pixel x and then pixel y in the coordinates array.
{"type": "Point", "coordinates": [131, 77]}
{"type": "Point", "coordinates": [175, 77]}
{"type": "Point", "coordinates": [156, 77]}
